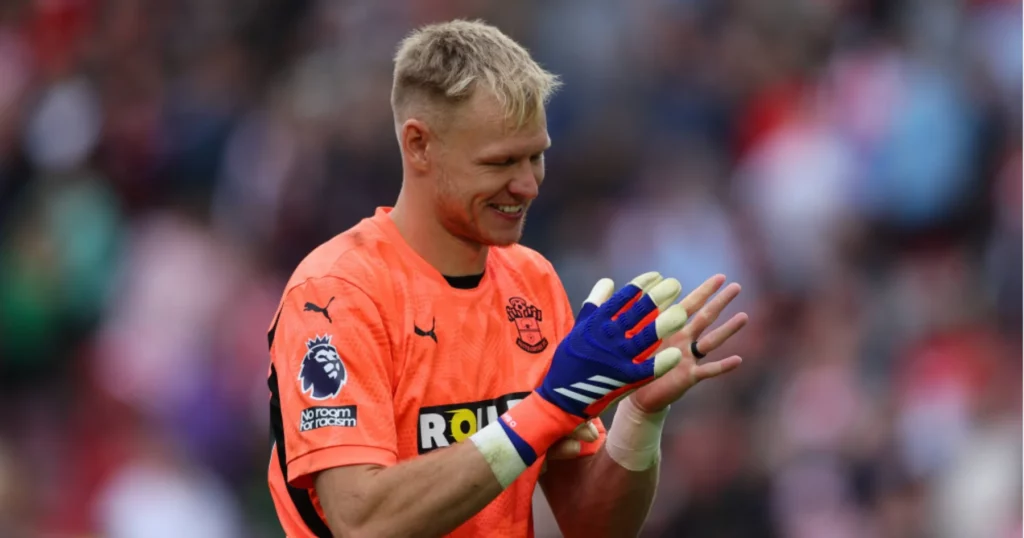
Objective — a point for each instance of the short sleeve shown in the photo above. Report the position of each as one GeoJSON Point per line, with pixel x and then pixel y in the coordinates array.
{"type": "Point", "coordinates": [332, 358]}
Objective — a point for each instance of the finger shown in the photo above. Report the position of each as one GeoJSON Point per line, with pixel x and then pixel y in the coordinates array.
{"type": "Point", "coordinates": [630, 293]}
{"type": "Point", "coordinates": [712, 341]}
{"type": "Point", "coordinates": [696, 298]}
{"type": "Point", "coordinates": [710, 312]}
{"type": "Point", "coordinates": [647, 281]}
{"type": "Point", "coordinates": [717, 368]}
{"type": "Point", "coordinates": [565, 449]}
{"type": "Point", "coordinates": [666, 360]}
{"type": "Point", "coordinates": [585, 432]}
{"type": "Point", "coordinates": [602, 291]}
{"type": "Point", "coordinates": [657, 299]}
{"type": "Point", "coordinates": [670, 322]}
{"type": "Point", "coordinates": [665, 293]}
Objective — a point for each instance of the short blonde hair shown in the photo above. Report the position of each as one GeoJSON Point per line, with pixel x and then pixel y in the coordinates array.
{"type": "Point", "coordinates": [446, 62]}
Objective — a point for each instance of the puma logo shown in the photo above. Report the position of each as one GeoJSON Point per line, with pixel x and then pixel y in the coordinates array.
{"type": "Point", "coordinates": [430, 333]}
{"type": "Point", "coordinates": [310, 307]}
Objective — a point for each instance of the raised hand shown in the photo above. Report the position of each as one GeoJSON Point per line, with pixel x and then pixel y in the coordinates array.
{"type": "Point", "coordinates": [611, 350]}
{"type": "Point", "coordinates": [661, 392]}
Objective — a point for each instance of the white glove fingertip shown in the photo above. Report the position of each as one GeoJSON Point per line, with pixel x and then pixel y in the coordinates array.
{"type": "Point", "coordinates": [667, 360]}
{"type": "Point", "coordinates": [666, 293]}
{"type": "Point", "coordinates": [647, 280]}
{"type": "Point", "coordinates": [670, 321]}
{"type": "Point", "coordinates": [603, 290]}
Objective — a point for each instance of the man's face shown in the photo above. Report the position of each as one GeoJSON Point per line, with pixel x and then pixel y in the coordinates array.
{"type": "Point", "coordinates": [488, 173]}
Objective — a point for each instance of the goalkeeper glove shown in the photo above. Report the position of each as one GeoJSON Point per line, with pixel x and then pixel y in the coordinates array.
{"type": "Point", "coordinates": [604, 358]}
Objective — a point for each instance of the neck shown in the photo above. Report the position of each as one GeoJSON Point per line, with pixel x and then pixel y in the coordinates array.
{"type": "Point", "coordinates": [449, 254]}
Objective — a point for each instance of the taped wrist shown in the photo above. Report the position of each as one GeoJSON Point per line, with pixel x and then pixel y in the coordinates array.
{"type": "Point", "coordinates": [500, 453]}
{"type": "Point", "coordinates": [634, 440]}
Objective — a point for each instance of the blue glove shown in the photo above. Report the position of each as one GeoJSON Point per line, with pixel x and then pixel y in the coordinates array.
{"type": "Point", "coordinates": [606, 356]}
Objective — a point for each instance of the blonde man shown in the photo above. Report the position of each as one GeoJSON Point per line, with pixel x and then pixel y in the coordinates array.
{"type": "Point", "coordinates": [425, 368]}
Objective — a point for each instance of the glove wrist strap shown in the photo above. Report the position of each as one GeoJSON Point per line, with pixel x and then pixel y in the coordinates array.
{"type": "Point", "coordinates": [514, 442]}
{"type": "Point", "coordinates": [634, 440]}
{"type": "Point", "coordinates": [535, 424]}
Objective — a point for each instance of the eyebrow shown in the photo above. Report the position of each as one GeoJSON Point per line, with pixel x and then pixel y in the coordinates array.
{"type": "Point", "coordinates": [489, 154]}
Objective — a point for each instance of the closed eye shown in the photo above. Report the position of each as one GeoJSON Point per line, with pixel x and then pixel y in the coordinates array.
{"type": "Point", "coordinates": [507, 162]}
{"type": "Point", "coordinates": [510, 161]}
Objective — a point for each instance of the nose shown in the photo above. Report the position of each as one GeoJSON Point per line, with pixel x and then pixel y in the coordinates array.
{"type": "Point", "coordinates": [526, 183]}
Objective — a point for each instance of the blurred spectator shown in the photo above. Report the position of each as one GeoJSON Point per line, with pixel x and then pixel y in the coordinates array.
{"type": "Point", "coordinates": [155, 495]}
{"type": "Point", "coordinates": [856, 166]}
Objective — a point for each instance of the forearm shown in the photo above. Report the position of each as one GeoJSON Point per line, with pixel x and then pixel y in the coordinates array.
{"type": "Point", "coordinates": [434, 494]}
{"type": "Point", "coordinates": [598, 497]}
{"type": "Point", "coordinates": [611, 492]}
{"type": "Point", "coordinates": [426, 496]}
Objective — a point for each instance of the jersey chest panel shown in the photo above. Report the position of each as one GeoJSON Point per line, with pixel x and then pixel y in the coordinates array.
{"type": "Point", "coordinates": [465, 362]}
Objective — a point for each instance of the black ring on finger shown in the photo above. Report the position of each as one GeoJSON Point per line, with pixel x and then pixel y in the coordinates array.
{"type": "Point", "coordinates": [696, 352]}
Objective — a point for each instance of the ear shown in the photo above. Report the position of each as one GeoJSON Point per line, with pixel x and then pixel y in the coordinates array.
{"type": "Point", "coordinates": [416, 139]}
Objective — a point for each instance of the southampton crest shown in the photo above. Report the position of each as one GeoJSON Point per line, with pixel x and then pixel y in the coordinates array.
{"type": "Point", "coordinates": [527, 319]}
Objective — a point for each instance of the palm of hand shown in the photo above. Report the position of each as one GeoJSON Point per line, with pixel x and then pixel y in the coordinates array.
{"type": "Point", "coordinates": [665, 390]}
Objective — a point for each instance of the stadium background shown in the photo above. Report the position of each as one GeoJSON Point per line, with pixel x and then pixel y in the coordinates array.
{"type": "Point", "coordinates": [855, 164]}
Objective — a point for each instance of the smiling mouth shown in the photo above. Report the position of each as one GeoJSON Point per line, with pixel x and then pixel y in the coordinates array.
{"type": "Point", "coordinates": [512, 211]}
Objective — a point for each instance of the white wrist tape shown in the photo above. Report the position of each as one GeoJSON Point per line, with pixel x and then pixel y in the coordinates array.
{"type": "Point", "coordinates": [500, 453]}
{"type": "Point", "coordinates": [634, 440]}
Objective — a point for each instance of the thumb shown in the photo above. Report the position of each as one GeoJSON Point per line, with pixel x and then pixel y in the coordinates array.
{"type": "Point", "coordinates": [585, 432]}
{"type": "Point", "coordinates": [566, 449]}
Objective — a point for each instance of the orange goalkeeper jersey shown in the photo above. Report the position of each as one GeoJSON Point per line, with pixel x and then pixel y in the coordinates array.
{"type": "Point", "coordinates": [376, 359]}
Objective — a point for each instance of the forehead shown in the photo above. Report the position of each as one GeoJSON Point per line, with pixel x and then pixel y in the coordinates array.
{"type": "Point", "coordinates": [481, 126]}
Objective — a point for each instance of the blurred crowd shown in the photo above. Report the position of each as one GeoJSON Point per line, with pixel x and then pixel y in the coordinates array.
{"type": "Point", "coordinates": [854, 164]}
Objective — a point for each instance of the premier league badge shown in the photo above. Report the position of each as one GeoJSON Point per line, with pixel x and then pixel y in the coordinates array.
{"type": "Point", "coordinates": [322, 374]}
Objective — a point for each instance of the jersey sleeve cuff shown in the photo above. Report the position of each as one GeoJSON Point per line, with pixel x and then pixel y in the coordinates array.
{"type": "Point", "coordinates": [302, 469]}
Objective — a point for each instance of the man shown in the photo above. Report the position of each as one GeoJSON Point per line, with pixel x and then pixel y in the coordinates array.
{"type": "Point", "coordinates": [424, 363]}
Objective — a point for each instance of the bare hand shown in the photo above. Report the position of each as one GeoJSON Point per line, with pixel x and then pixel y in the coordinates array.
{"type": "Point", "coordinates": [661, 392]}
